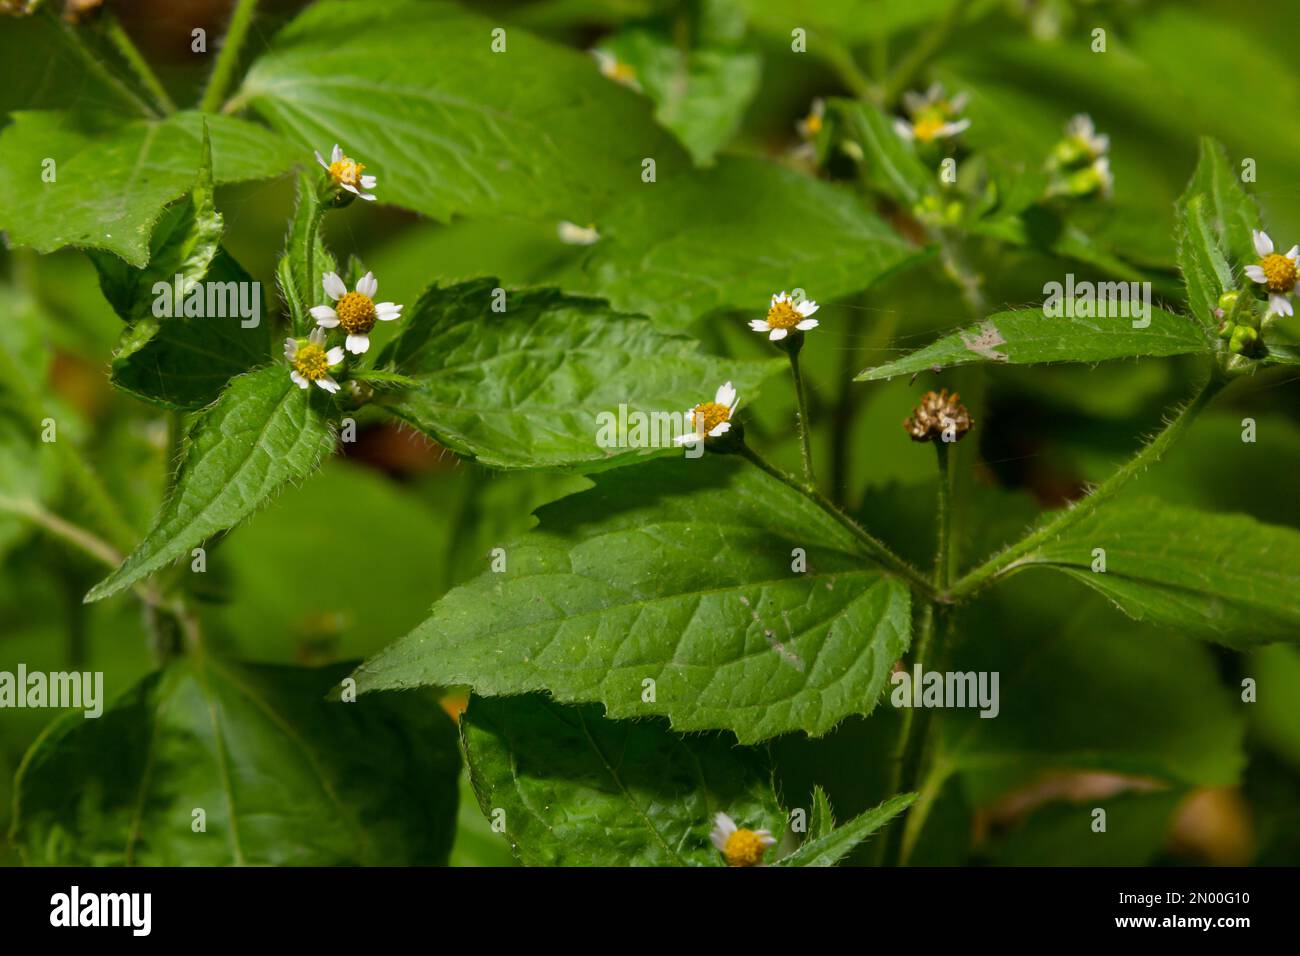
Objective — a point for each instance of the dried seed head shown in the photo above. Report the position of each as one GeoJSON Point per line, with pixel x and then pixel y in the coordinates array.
{"type": "Point", "coordinates": [939, 417]}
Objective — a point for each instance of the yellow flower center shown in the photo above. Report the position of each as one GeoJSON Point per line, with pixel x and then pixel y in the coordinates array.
{"type": "Point", "coordinates": [744, 848]}
{"type": "Point", "coordinates": [783, 315]}
{"type": "Point", "coordinates": [622, 72]}
{"type": "Point", "coordinates": [1280, 272]}
{"type": "Point", "coordinates": [311, 362]}
{"type": "Point", "coordinates": [346, 172]}
{"type": "Point", "coordinates": [710, 415]}
{"type": "Point", "coordinates": [356, 313]}
{"type": "Point", "coordinates": [812, 124]}
{"type": "Point", "coordinates": [927, 128]}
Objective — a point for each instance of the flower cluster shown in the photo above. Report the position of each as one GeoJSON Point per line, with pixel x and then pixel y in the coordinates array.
{"type": "Point", "coordinates": [740, 846]}
{"type": "Point", "coordinates": [312, 359]}
{"type": "Point", "coordinates": [1079, 165]}
{"type": "Point", "coordinates": [939, 417]}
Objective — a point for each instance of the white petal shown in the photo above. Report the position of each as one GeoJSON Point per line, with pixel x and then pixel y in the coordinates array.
{"type": "Point", "coordinates": [316, 336]}
{"type": "Point", "coordinates": [720, 429]}
{"type": "Point", "coordinates": [298, 379]}
{"type": "Point", "coordinates": [321, 159]}
{"type": "Point", "coordinates": [334, 287]}
{"type": "Point", "coordinates": [368, 284]}
{"type": "Point", "coordinates": [1256, 273]}
{"type": "Point", "coordinates": [779, 297]}
{"type": "Point", "coordinates": [358, 344]}
{"type": "Point", "coordinates": [726, 394]}
{"type": "Point", "coordinates": [328, 384]}
{"type": "Point", "coordinates": [807, 324]}
{"type": "Point", "coordinates": [724, 823]}
{"type": "Point", "coordinates": [387, 311]}
{"type": "Point", "coordinates": [368, 197]}
{"type": "Point", "coordinates": [778, 334]}
{"type": "Point", "coordinates": [758, 325]}
{"type": "Point", "coordinates": [913, 101]}
{"type": "Point", "coordinates": [290, 348]}
{"type": "Point", "coordinates": [326, 316]}
{"type": "Point", "coordinates": [336, 153]}
{"type": "Point", "coordinates": [1293, 253]}
{"type": "Point", "coordinates": [904, 129]}
{"type": "Point", "coordinates": [334, 356]}
{"type": "Point", "coordinates": [369, 182]}
{"type": "Point", "coordinates": [690, 438]}
{"type": "Point", "coordinates": [1280, 304]}
{"type": "Point", "coordinates": [350, 188]}
{"type": "Point", "coordinates": [934, 93]}
{"type": "Point", "coordinates": [952, 129]}
{"type": "Point", "coordinates": [765, 837]}
{"type": "Point", "coordinates": [958, 102]}
{"type": "Point", "coordinates": [1263, 244]}
{"type": "Point", "coordinates": [806, 308]}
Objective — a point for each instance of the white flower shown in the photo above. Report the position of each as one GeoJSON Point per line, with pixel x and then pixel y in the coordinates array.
{"type": "Point", "coordinates": [932, 115]}
{"type": "Point", "coordinates": [1081, 128]}
{"type": "Point", "coordinates": [785, 314]}
{"type": "Point", "coordinates": [356, 311]}
{"type": "Point", "coordinates": [346, 172]}
{"type": "Point", "coordinates": [740, 846]}
{"type": "Point", "coordinates": [311, 362]}
{"type": "Point", "coordinates": [575, 235]}
{"type": "Point", "coordinates": [711, 419]}
{"type": "Point", "coordinates": [612, 68]}
{"type": "Point", "coordinates": [1276, 273]}
{"type": "Point", "coordinates": [811, 124]}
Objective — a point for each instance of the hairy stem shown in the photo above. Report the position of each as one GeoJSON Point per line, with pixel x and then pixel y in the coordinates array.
{"type": "Point", "coordinates": [879, 551]}
{"type": "Point", "coordinates": [228, 56]}
{"type": "Point", "coordinates": [313, 227]}
{"type": "Point", "coordinates": [805, 427]}
{"type": "Point", "coordinates": [1011, 558]}
{"type": "Point", "coordinates": [846, 68]}
{"type": "Point", "coordinates": [139, 65]}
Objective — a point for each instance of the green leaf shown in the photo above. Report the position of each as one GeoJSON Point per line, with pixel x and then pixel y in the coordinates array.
{"type": "Point", "coordinates": [1029, 337]}
{"type": "Point", "coordinates": [185, 361]}
{"type": "Point", "coordinates": [113, 180]}
{"type": "Point", "coordinates": [1094, 691]}
{"type": "Point", "coordinates": [754, 228]}
{"type": "Point", "coordinates": [262, 433]}
{"type": "Point", "coordinates": [580, 790]}
{"type": "Point", "coordinates": [534, 131]}
{"type": "Point", "coordinates": [1215, 221]}
{"type": "Point", "coordinates": [829, 849]}
{"type": "Point", "coordinates": [283, 778]}
{"type": "Point", "coordinates": [821, 821]}
{"type": "Point", "coordinates": [537, 384]}
{"type": "Point", "coordinates": [1224, 577]}
{"type": "Point", "coordinates": [299, 290]}
{"type": "Point", "coordinates": [677, 571]}
{"type": "Point", "coordinates": [184, 243]}
{"type": "Point", "coordinates": [889, 163]}
{"type": "Point", "coordinates": [700, 92]}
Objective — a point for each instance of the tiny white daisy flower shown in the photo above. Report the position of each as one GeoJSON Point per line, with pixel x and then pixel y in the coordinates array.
{"type": "Point", "coordinates": [811, 124]}
{"type": "Point", "coordinates": [785, 314]}
{"type": "Point", "coordinates": [575, 235]}
{"type": "Point", "coordinates": [613, 68]}
{"type": "Point", "coordinates": [356, 311]}
{"type": "Point", "coordinates": [346, 172]}
{"type": "Point", "coordinates": [932, 115]}
{"type": "Point", "coordinates": [1275, 272]}
{"type": "Point", "coordinates": [1081, 129]}
{"type": "Point", "coordinates": [711, 419]}
{"type": "Point", "coordinates": [311, 362]}
{"type": "Point", "coordinates": [740, 846]}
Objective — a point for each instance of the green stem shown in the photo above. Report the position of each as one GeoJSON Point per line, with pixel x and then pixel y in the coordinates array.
{"type": "Point", "coordinates": [139, 65]}
{"type": "Point", "coordinates": [1012, 558]}
{"type": "Point", "coordinates": [228, 56]}
{"type": "Point", "coordinates": [945, 553]}
{"type": "Point", "coordinates": [930, 788]}
{"type": "Point", "coordinates": [313, 227]}
{"type": "Point", "coordinates": [878, 550]}
{"type": "Point", "coordinates": [805, 427]}
{"type": "Point", "coordinates": [846, 67]}
{"type": "Point", "coordinates": [920, 54]}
